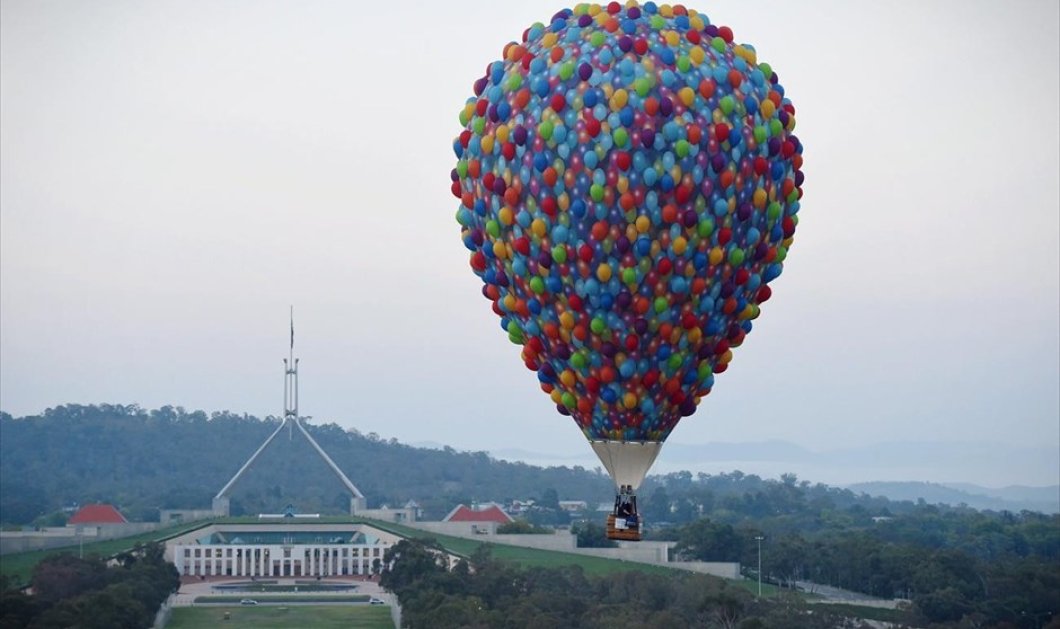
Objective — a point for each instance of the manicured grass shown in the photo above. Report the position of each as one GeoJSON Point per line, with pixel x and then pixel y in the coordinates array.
{"type": "Point", "coordinates": [317, 616]}
{"type": "Point", "coordinates": [287, 598]}
{"type": "Point", "coordinates": [19, 566]}
{"type": "Point", "coordinates": [528, 557]}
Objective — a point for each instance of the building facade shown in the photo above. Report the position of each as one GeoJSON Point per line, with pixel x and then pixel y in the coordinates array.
{"type": "Point", "coordinates": [303, 549]}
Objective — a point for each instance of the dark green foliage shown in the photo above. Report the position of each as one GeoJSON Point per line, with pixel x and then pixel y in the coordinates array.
{"type": "Point", "coordinates": [171, 458]}
{"type": "Point", "coordinates": [592, 535]}
{"type": "Point", "coordinates": [482, 592]}
{"type": "Point", "coordinates": [704, 540]}
{"type": "Point", "coordinates": [87, 593]}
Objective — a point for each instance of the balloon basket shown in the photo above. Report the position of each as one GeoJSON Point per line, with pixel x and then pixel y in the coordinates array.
{"type": "Point", "coordinates": [627, 533]}
{"type": "Point", "coordinates": [624, 522]}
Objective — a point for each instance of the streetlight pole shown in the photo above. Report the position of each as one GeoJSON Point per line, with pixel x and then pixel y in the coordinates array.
{"type": "Point", "coordinates": [759, 538]}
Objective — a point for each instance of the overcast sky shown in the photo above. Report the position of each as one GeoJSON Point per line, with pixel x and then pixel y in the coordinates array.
{"type": "Point", "coordinates": [174, 174]}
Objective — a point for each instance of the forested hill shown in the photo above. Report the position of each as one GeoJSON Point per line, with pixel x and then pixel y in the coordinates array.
{"type": "Point", "coordinates": [171, 458]}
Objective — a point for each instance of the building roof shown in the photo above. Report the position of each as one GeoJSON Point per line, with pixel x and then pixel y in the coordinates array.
{"type": "Point", "coordinates": [462, 513]}
{"type": "Point", "coordinates": [97, 514]}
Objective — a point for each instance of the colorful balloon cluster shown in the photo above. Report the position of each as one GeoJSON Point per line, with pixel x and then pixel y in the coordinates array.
{"type": "Point", "coordinates": [629, 185]}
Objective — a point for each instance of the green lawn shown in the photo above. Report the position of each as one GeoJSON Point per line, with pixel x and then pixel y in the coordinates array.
{"type": "Point", "coordinates": [529, 557]}
{"type": "Point", "coordinates": [317, 616]}
{"type": "Point", "coordinates": [19, 566]}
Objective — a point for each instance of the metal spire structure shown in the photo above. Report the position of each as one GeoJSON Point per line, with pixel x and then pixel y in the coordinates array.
{"type": "Point", "coordinates": [291, 419]}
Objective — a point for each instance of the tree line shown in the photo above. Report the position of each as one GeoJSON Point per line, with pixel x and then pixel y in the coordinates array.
{"type": "Point", "coordinates": [957, 565]}
{"type": "Point", "coordinates": [143, 460]}
{"type": "Point", "coordinates": [92, 593]}
{"type": "Point", "coordinates": [484, 592]}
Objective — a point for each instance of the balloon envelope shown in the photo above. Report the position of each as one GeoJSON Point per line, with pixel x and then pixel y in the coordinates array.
{"type": "Point", "coordinates": [629, 184]}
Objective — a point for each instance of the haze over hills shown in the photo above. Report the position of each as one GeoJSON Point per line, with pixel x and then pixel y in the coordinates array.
{"type": "Point", "coordinates": [1013, 498]}
{"type": "Point", "coordinates": [171, 458]}
{"type": "Point", "coordinates": [1004, 468]}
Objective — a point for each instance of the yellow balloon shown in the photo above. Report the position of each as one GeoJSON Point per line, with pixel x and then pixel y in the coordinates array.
{"type": "Point", "coordinates": [603, 272]}
{"type": "Point", "coordinates": [567, 378]}
{"type": "Point", "coordinates": [717, 254]}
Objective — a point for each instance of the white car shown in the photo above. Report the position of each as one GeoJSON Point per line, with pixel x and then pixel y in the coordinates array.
{"type": "Point", "coordinates": [248, 601]}
{"type": "Point", "coordinates": [376, 601]}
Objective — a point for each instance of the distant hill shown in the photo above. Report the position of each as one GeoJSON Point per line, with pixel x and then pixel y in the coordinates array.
{"type": "Point", "coordinates": [1015, 498]}
{"type": "Point", "coordinates": [172, 458]}
{"type": "Point", "coordinates": [144, 460]}
{"type": "Point", "coordinates": [940, 462]}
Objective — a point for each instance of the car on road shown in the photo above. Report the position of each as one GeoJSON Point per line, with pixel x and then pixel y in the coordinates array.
{"type": "Point", "coordinates": [248, 601]}
{"type": "Point", "coordinates": [375, 601]}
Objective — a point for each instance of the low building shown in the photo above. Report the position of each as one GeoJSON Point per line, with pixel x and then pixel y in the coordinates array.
{"type": "Point", "coordinates": [305, 549]}
{"type": "Point", "coordinates": [95, 515]}
{"type": "Point", "coordinates": [482, 514]}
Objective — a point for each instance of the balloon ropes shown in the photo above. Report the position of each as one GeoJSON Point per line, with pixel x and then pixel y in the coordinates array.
{"type": "Point", "coordinates": [629, 185]}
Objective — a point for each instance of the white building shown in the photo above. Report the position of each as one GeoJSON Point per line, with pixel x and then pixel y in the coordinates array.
{"type": "Point", "coordinates": [304, 549]}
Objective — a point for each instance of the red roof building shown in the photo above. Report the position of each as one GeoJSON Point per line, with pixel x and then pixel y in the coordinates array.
{"type": "Point", "coordinates": [97, 514]}
{"type": "Point", "coordinates": [492, 513]}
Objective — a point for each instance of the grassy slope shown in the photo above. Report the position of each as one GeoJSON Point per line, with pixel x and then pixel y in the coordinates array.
{"type": "Point", "coordinates": [317, 616]}
{"type": "Point", "coordinates": [19, 566]}
{"type": "Point", "coordinates": [528, 557]}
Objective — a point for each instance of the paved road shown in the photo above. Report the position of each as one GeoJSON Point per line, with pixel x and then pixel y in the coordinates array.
{"type": "Point", "coordinates": [831, 594]}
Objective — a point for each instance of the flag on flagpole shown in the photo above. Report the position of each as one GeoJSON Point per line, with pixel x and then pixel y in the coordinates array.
{"type": "Point", "coordinates": [292, 327]}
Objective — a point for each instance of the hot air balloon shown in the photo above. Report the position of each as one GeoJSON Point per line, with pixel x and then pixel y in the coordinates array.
{"type": "Point", "coordinates": [629, 185]}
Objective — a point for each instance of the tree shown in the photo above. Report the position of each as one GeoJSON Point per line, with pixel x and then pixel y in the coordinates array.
{"type": "Point", "coordinates": [704, 540]}
{"type": "Point", "coordinates": [410, 560]}
{"type": "Point", "coordinates": [65, 576]}
{"type": "Point", "coordinates": [592, 535]}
